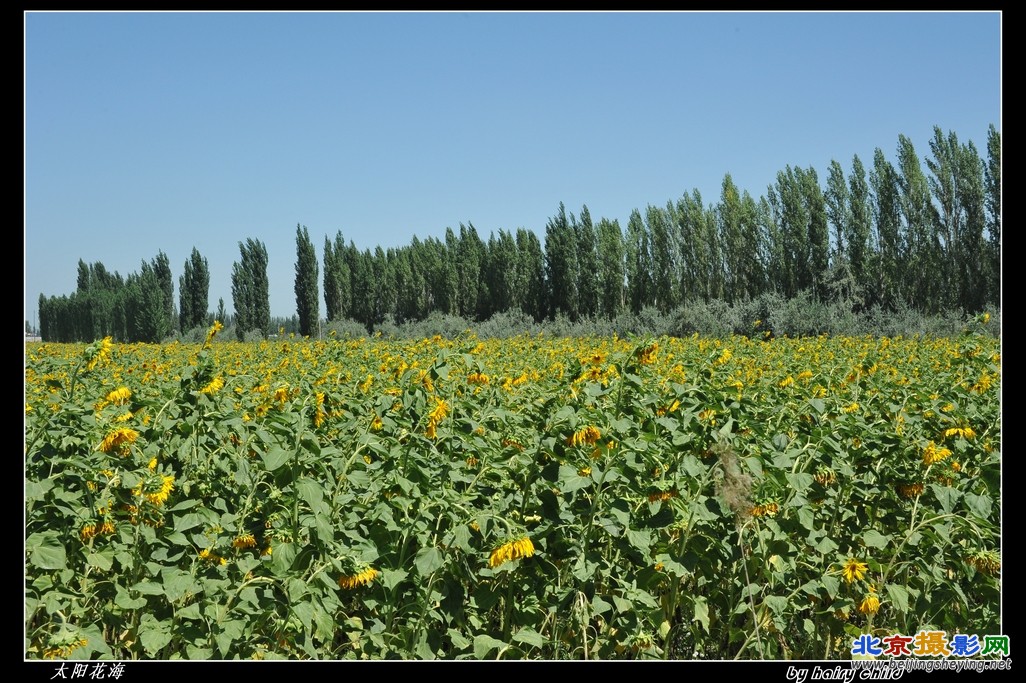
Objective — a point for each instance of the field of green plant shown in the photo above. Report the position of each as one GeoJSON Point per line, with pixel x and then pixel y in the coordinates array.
{"type": "Point", "coordinates": [533, 497]}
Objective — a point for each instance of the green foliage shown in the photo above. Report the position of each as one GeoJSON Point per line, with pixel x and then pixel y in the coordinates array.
{"type": "Point", "coordinates": [250, 292]}
{"type": "Point", "coordinates": [530, 498]}
{"type": "Point", "coordinates": [894, 238]}
{"type": "Point", "coordinates": [562, 270]}
{"type": "Point", "coordinates": [307, 295]}
{"type": "Point", "coordinates": [345, 328]}
{"type": "Point", "coordinates": [194, 292]}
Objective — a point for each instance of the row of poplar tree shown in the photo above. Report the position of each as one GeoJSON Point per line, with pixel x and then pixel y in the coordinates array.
{"type": "Point", "coordinates": [889, 235]}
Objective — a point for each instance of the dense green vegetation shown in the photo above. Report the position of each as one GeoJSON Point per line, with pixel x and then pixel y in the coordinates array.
{"type": "Point", "coordinates": [890, 237]}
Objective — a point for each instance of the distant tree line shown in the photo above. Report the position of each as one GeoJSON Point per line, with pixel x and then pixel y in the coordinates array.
{"type": "Point", "coordinates": [884, 237]}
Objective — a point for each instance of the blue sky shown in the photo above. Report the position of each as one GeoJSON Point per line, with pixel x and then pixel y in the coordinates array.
{"type": "Point", "coordinates": [167, 131]}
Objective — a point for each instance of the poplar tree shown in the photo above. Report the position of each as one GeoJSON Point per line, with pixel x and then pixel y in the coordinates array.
{"type": "Point", "coordinates": [165, 281]}
{"type": "Point", "coordinates": [307, 294]}
{"type": "Point", "coordinates": [250, 290]}
{"type": "Point", "coordinates": [561, 265]}
{"type": "Point", "coordinates": [992, 184]}
{"type": "Point", "coordinates": [531, 266]}
{"type": "Point", "coordinates": [193, 292]}
{"type": "Point", "coordinates": [611, 267]}
{"type": "Point", "coordinates": [659, 226]}
{"type": "Point", "coordinates": [639, 263]}
{"type": "Point", "coordinates": [587, 264]}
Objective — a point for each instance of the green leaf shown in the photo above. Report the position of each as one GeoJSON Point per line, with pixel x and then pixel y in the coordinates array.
{"type": "Point", "coordinates": [35, 490]}
{"type": "Point", "coordinates": [422, 650]}
{"type": "Point", "coordinates": [874, 539]}
{"type": "Point", "coordinates": [428, 560]}
{"type": "Point", "coordinates": [946, 496]}
{"type": "Point", "coordinates": [458, 641]}
{"type": "Point", "coordinates": [484, 644]}
{"type": "Point", "coordinates": [229, 633]}
{"type": "Point", "coordinates": [95, 644]}
{"type": "Point", "coordinates": [672, 567]}
{"type": "Point", "coordinates": [324, 625]}
{"type": "Point", "coordinates": [599, 605]}
{"type": "Point", "coordinates": [978, 505]}
{"type": "Point", "coordinates": [282, 557]}
{"type": "Point", "coordinates": [799, 481]}
{"type": "Point", "coordinates": [178, 538]}
{"type": "Point", "coordinates": [727, 428]}
{"type": "Point", "coordinates": [310, 492]}
{"type": "Point", "coordinates": [776, 603]}
{"type": "Point", "coordinates": [702, 612]}
{"type": "Point", "coordinates": [584, 568]}
{"type": "Point", "coordinates": [641, 540]}
{"type": "Point", "coordinates": [664, 629]}
{"type": "Point", "coordinates": [124, 600]}
{"type": "Point", "coordinates": [668, 423]}
{"type": "Point", "coordinates": [610, 527]}
{"type": "Point", "coordinates": [570, 480]}
{"type": "Point", "coordinates": [102, 560]}
{"type": "Point", "coordinates": [390, 577]}
{"type": "Point", "coordinates": [530, 637]}
{"type": "Point", "coordinates": [461, 538]}
{"type": "Point", "coordinates": [46, 550]}
{"type": "Point", "coordinates": [275, 458]}
{"type": "Point", "coordinates": [154, 635]}
{"type": "Point", "coordinates": [826, 545]}
{"type": "Point", "coordinates": [818, 405]}
{"type": "Point", "coordinates": [148, 588]}
{"type": "Point", "coordinates": [566, 413]}
{"type": "Point", "coordinates": [305, 612]}
{"type": "Point", "coordinates": [186, 522]}
{"type": "Point", "coordinates": [660, 519]}
{"type": "Point", "coordinates": [806, 518]}
{"type": "Point", "coordinates": [702, 509]}
{"type": "Point", "coordinates": [177, 583]}
{"type": "Point", "coordinates": [692, 466]}
{"type": "Point", "coordinates": [622, 606]}
{"type": "Point", "coordinates": [898, 596]}
{"type": "Point", "coordinates": [247, 564]}
{"type": "Point", "coordinates": [195, 653]}
{"type": "Point", "coordinates": [325, 530]}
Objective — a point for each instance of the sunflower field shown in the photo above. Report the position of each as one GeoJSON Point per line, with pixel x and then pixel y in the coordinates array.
{"type": "Point", "coordinates": [526, 498]}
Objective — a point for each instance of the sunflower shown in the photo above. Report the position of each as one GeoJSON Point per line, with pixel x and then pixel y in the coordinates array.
{"type": "Point", "coordinates": [870, 604]}
{"type": "Point", "coordinates": [854, 570]}
{"type": "Point", "coordinates": [244, 541]}
{"type": "Point", "coordinates": [319, 413]}
{"type": "Point", "coordinates": [210, 556]}
{"type": "Point", "coordinates": [647, 355]}
{"type": "Point", "coordinates": [588, 435]}
{"type": "Point", "coordinates": [934, 453]}
{"type": "Point", "coordinates": [118, 440]}
{"type": "Point", "coordinates": [363, 578]}
{"type": "Point", "coordinates": [98, 352]}
{"type": "Point", "coordinates": [212, 332]}
{"type": "Point", "coordinates": [214, 386]}
{"type": "Point", "coordinates": [511, 550]}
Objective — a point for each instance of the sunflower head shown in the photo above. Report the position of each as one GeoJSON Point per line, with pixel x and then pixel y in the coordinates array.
{"type": "Point", "coordinates": [854, 570]}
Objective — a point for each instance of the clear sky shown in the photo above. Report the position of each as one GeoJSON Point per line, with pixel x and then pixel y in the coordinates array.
{"type": "Point", "coordinates": [167, 131]}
